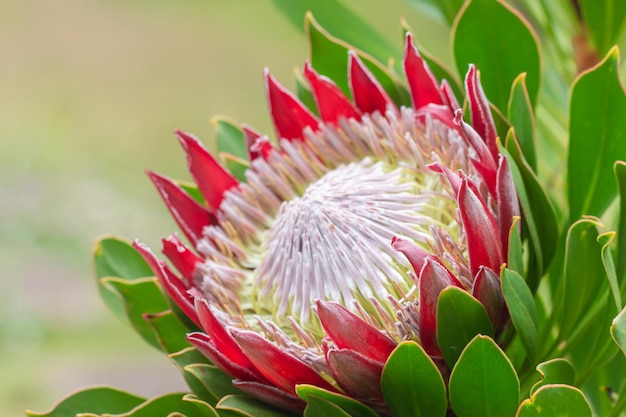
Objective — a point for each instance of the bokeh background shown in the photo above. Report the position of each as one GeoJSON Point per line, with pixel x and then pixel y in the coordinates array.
{"type": "Point", "coordinates": [90, 91]}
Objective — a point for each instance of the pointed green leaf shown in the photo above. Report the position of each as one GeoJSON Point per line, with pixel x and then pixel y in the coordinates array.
{"type": "Point", "coordinates": [554, 371]}
{"type": "Point", "coordinates": [163, 406]}
{"type": "Point", "coordinates": [555, 401]}
{"type": "Point", "coordinates": [606, 239]}
{"type": "Point", "coordinates": [205, 409]}
{"type": "Point", "coordinates": [499, 41]}
{"type": "Point", "coordinates": [516, 254]}
{"type": "Point", "coordinates": [597, 137]}
{"type": "Point", "coordinates": [412, 384]}
{"type": "Point", "coordinates": [229, 137]}
{"type": "Point", "coordinates": [189, 357]}
{"type": "Point", "coordinates": [115, 257]}
{"type": "Point", "coordinates": [96, 400]}
{"type": "Point", "coordinates": [329, 56]}
{"type": "Point", "coordinates": [247, 406]}
{"type": "Point", "coordinates": [520, 114]}
{"type": "Point", "coordinates": [620, 175]}
{"type": "Point", "coordinates": [141, 296]}
{"type": "Point", "coordinates": [460, 317]}
{"type": "Point", "coordinates": [169, 331]}
{"type": "Point", "coordinates": [605, 20]}
{"type": "Point", "coordinates": [618, 330]}
{"type": "Point", "coordinates": [192, 189]}
{"type": "Point", "coordinates": [483, 382]}
{"type": "Point", "coordinates": [443, 10]}
{"type": "Point", "coordinates": [521, 305]}
{"type": "Point", "coordinates": [348, 404]}
{"type": "Point", "coordinates": [317, 406]}
{"type": "Point", "coordinates": [333, 15]}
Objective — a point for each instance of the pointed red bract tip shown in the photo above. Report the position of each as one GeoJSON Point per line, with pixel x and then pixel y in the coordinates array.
{"type": "Point", "coordinates": [289, 115]}
{"type": "Point", "coordinates": [348, 331]}
{"type": "Point", "coordinates": [183, 259]}
{"type": "Point", "coordinates": [257, 145]}
{"type": "Point", "coordinates": [448, 96]}
{"type": "Point", "coordinates": [212, 178]}
{"type": "Point", "coordinates": [487, 290]}
{"type": "Point", "coordinates": [330, 100]}
{"type": "Point", "coordinates": [482, 120]}
{"type": "Point", "coordinates": [356, 374]}
{"type": "Point", "coordinates": [481, 229]}
{"type": "Point", "coordinates": [190, 216]}
{"type": "Point", "coordinates": [368, 95]}
{"type": "Point", "coordinates": [422, 83]}
{"type": "Point", "coordinates": [175, 288]}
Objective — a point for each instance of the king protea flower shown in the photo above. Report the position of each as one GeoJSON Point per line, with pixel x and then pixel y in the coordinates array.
{"type": "Point", "coordinates": [342, 237]}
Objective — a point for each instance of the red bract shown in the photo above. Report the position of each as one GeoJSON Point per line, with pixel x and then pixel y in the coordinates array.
{"type": "Point", "coordinates": [344, 234]}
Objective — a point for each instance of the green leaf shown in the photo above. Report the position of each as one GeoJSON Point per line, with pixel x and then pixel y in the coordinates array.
{"type": "Point", "coordinates": [521, 305]}
{"type": "Point", "coordinates": [412, 384]}
{"type": "Point", "coordinates": [140, 297]}
{"type": "Point", "coordinates": [214, 379]}
{"type": "Point", "coordinates": [115, 257]}
{"type": "Point", "coordinates": [317, 406]}
{"type": "Point", "coordinates": [521, 116]}
{"type": "Point", "coordinates": [333, 15]}
{"type": "Point", "coordinates": [163, 406]}
{"type": "Point", "coordinates": [516, 254]}
{"type": "Point", "coordinates": [483, 382]}
{"type": "Point", "coordinates": [620, 175]}
{"type": "Point", "coordinates": [192, 189]}
{"type": "Point", "coordinates": [169, 331]}
{"type": "Point", "coordinates": [555, 401]}
{"type": "Point", "coordinates": [205, 409]}
{"type": "Point", "coordinates": [348, 404]}
{"type": "Point", "coordinates": [499, 41]}
{"type": "Point", "coordinates": [618, 330]}
{"type": "Point", "coordinates": [605, 239]}
{"type": "Point", "coordinates": [229, 137]}
{"type": "Point", "coordinates": [443, 10]}
{"type": "Point", "coordinates": [247, 406]}
{"type": "Point", "coordinates": [96, 400]}
{"type": "Point", "coordinates": [583, 274]}
{"type": "Point", "coordinates": [329, 56]}
{"type": "Point", "coordinates": [304, 92]}
{"type": "Point", "coordinates": [597, 137]}
{"type": "Point", "coordinates": [235, 165]}
{"type": "Point", "coordinates": [554, 371]}
{"type": "Point", "coordinates": [189, 357]}
{"type": "Point", "coordinates": [460, 317]}
{"type": "Point", "coordinates": [604, 21]}
{"type": "Point", "coordinates": [538, 212]}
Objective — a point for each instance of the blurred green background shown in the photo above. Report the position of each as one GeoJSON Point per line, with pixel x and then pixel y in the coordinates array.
{"type": "Point", "coordinates": [90, 91]}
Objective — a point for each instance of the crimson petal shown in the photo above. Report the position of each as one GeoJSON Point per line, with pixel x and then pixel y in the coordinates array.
{"type": "Point", "coordinates": [508, 203]}
{"type": "Point", "coordinates": [348, 331]}
{"type": "Point", "coordinates": [181, 257]}
{"type": "Point", "coordinates": [486, 289]}
{"type": "Point", "coordinates": [279, 367]}
{"type": "Point", "coordinates": [206, 345]}
{"type": "Point", "coordinates": [433, 278]}
{"type": "Point", "coordinates": [190, 216]}
{"type": "Point", "coordinates": [257, 145]}
{"type": "Point", "coordinates": [173, 286]}
{"type": "Point", "coordinates": [271, 394]}
{"type": "Point", "coordinates": [483, 236]}
{"type": "Point", "coordinates": [331, 102]}
{"type": "Point", "coordinates": [356, 374]}
{"type": "Point", "coordinates": [448, 96]}
{"type": "Point", "coordinates": [422, 82]}
{"type": "Point", "coordinates": [369, 96]}
{"type": "Point", "coordinates": [212, 178]}
{"type": "Point", "coordinates": [290, 116]}
{"type": "Point", "coordinates": [482, 120]}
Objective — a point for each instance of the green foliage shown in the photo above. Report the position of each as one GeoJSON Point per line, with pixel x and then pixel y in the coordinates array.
{"type": "Point", "coordinates": [96, 400]}
{"type": "Point", "coordinates": [411, 383]}
{"type": "Point", "coordinates": [554, 371]}
{"type": "Point", "coordinates": [605, 21]}
{"type": "Point", "coordinates": [521, 116]}
{"type": "Point", "coordinates": [521, 305]}
{"type": "Point", "coordinates": [345, 403]}
{"type": "Point", "coordinates": [555, 401]}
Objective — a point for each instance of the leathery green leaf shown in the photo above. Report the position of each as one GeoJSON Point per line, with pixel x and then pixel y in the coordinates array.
{"type": "Point", "coordinates": [318, 406]}
{"type": "Point", "coordinates": [516, 254]}
{"type": "Point", "coordinates": [620, 175]}
{"type": "Point", "coordinates": [244, 405]}
{"type": "Point", "coordinates": [235, 165]}
{"type": "Point", "coordinates": [163, 406]}
{"type": "Point", "coordinates": [189, 357]}
{"type": "Point", "coordinates": [554, 371]}
{"type": "Point", "coordinates": [115, 257]}
{"type": "Point", "coordinates": [583, 273]}
{"type": "Point", "coordinates": [597, 140]}
{"type": "Point", "coordinates": [460, 317]}
{"type": "Point", "coordinates": [329, 56]}
{"type": "Point", "coordinates": [140, 297]}
{"type": "Point", "coordinates": [204, 409]}
{"type": "Point", "coordinates": [520, 114]}
{"type": "Point", "coordinates": [229, 137]}
{"type": "Point", "coordinates": [521, 305]}
{"type": "Point", "coordinates": [483, 382]}
{"type": "Point", "coordinates": [605, 20]}
{"type": "Point", "coordinates": [445, 10]}
{"type": "Point", "coordinates": [605, 239]}
{"type": "Point", "coordinates": [555, 401]}
{"type": "Point", "coordinates": [350, 405]}
{"type": "Point", "coordinates": [95, 400]}
{"type": "Point", "coordinates": [498, 40]}
{"type": "Point", "coordinates": [618, 330]}
{"type": "Point", "coordinates": [412, 384]}
{"type": "Point", "coordinates": [169, 331]}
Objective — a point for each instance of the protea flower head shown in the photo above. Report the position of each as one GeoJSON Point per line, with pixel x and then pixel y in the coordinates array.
{"type": "Point", "coordinates": [346, 230]}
